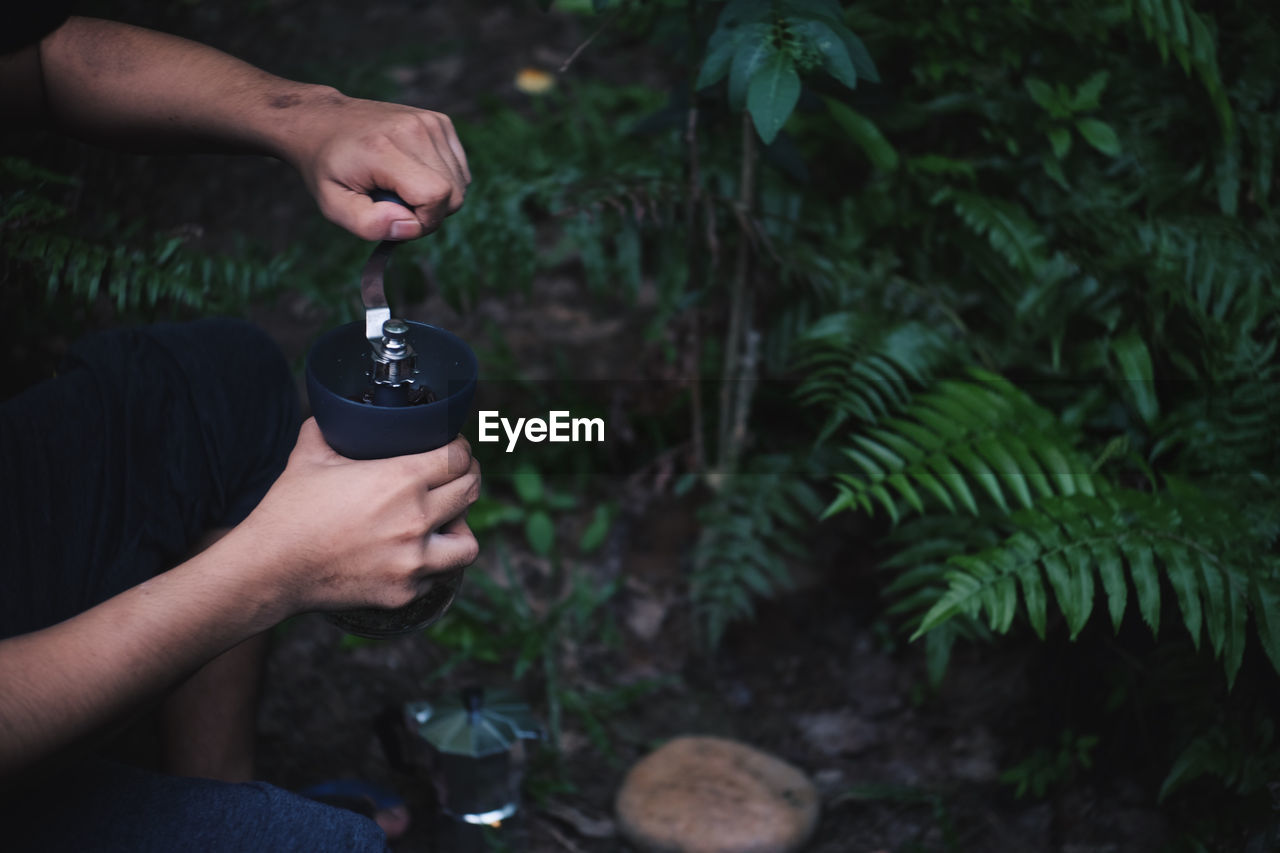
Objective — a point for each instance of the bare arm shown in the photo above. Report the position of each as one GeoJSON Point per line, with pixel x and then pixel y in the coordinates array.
{"type": "Point", "coordinates": [331, 533]}
{"type": "Point", "coordinates": [120, 84]}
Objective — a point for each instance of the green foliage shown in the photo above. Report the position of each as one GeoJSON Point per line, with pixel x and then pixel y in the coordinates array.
{"type": "Point", "coordinates": [1244, 759]}
{"type": "Point", "coordinates": [496, 623]}
{"type": "Point", "coordinates": [535, 509]}
{"type": "Point", "coordinates": [764, 47]}
{"type": "Point", "coordinates": [749, 530]}
{"type": "Point", "coordinates": [959, 438]}
{"type": "Point", "coordinates": [135, 273]}
{"type": "Point", "coordinates": [1048, 768]}
{"type": "Point", "coordinates": [857, 368]}
{"type": "Point", "coordinates": [1124, 540]}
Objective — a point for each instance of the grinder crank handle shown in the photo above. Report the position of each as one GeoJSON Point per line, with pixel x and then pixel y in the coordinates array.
{"type": "Point", "coordinates": [372, 294]}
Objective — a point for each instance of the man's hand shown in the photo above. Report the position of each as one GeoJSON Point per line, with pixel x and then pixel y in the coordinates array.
{"type": "Point", "coordinates": [346, 148]}
{"type": "Point", "coordinates": [114, 83]}
{"type": "Point", "coordinates": [332, 533]}
{"type": "Point", "coordinates": [339, 533]}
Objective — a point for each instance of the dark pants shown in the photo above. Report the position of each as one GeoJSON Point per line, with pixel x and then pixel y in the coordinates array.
{"type": "Point", "coordinates": [109, 474]}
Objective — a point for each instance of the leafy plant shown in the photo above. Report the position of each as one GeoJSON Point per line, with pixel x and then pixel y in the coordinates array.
{"type": "Point", "coordinates": [133, 272]}
{"type": "Point", "coordinates": [497, 623]}
{"type": "Point", "coordinates": [1047, 768]}
{"type": "Point", "coordinates": [749, 530]}
{"type": "Point", "coordinates": [537, 503]}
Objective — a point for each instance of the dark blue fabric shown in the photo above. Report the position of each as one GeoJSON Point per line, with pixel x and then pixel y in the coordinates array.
{"type": "Point", "coordinates": [146, 439]}
{"type": "Point", "coordinates": [102, 807]}
{"type": "Point", "coordinates": [109, 474]}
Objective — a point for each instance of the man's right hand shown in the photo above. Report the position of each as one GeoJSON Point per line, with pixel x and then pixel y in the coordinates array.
{"type": "Point", "coordinates": [341, 533]}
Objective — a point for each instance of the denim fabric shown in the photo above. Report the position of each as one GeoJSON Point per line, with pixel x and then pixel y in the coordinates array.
{"type": "Point", "coordinates": [102, 807]}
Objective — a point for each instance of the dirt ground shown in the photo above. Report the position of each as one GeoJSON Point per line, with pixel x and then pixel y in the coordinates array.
{"type": "Point", "coordinates": [816, 679]}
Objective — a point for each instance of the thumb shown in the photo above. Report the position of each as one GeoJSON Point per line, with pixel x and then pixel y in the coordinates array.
{"type": "Point", "coordinates": [366, 218]}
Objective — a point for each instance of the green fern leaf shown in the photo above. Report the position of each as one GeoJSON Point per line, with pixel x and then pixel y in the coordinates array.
{"type": "Point", "coordinates": [1181, 567]}
{"type": "Point", "coordinates": [1111, 571]}
{"type": "Point", "coordinates": [1264, 593]}
{"type": "Point", "coordinates": [983, 432]}
{"type": "Point", "coordinates": [1146, 583]}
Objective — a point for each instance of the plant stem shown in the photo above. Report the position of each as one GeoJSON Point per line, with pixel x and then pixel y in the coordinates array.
{"type": "Point", "coordinates": [692, 198]}
{"type": "Point", "coordinates": [731, 385]}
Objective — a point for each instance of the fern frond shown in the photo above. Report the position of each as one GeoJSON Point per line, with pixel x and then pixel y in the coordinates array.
{"type": "Point", "coordinates": [1243, 760]}
{"type": "Point", "coordinates": [962, 437]}
{"type": "Point", "coordinates": [921, 548]}
{"type": "Point", "coordinates": [1214, 267]}
{"type": "Point", "coordinates": [1175, 27]}
{"type": "Point", "coordinates": [857, 369]}
{"type": "Point", "coordinates": [161, 270]}
{"type": "Point", "coordinates": [1004, 223]}
{"type": "Point", "coordinates": [755, 523]}
{"type": "Point", "coordinates": [1122, 539]}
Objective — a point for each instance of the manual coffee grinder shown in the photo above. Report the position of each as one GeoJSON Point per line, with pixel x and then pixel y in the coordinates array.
{"type": "Point", "coordinates": [389, 387]}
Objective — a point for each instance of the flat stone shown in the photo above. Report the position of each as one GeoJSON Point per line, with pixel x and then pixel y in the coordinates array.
{"type": "Point", "coordinates": [711, 795]}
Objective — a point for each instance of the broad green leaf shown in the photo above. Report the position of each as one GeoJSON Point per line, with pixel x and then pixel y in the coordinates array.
{"type": "Point", "coordinates": [1002, 604]}
{"type": "Point", "coordinates": [994, 452]}
{"type": "Point", "coordinates": [937, 648]}
{"type": "Point", "coordinates": [716, 64]}
{"type": "Point", "coordinates": [1182, 570]}
{"type": "Point", "coordinates": [1195, 760]}
{"type": "Point", "coordinates": [935, 488]}
{"type": "Point", "coordinates": [858, 53]}
{"type": "Point", "coordinates": [883, 455]}
{"type": "Point", "coordinates": [1080, 587]}
{"type": "Point", "coordinates": [1238, 616]}
{"type": "Point", "coordinates": [1089, 93]}
{"type": "Point", "coordinates": [903, 486]}
{"type": "Point", "coordinates": [528, 484]}
{"type": "Point", "coordinates": [954, 480]}
{"type": "Point", "coordinates": [1042, 93]}
{"type": "Point", "coordinates": [1111, 570]}
{"type": "Point", "coordinates": [754, 49]}
{"type": "Point", "coordinates": [1028, 465]}
{"type": "Point", "coordinates": [772, 95]}
{"type": "Point", "coordinates": [1060, 139]}
{"type": "Point", "coordinates": [540, 533]}
{"type": "Point", "coordinates": [1033, 596]}
{"type": "Point", "coordinates": [1215, 602]}
{"type": "Point", "coordinates": [982, 474]}
{"type": "Point", "coordinates": [597, 530]}
{"type": "Point", "coordinates": [1100, 135]}
{"type": "Point", "coordinates": [821, 38]}
{"type": "Point", "coordinates": [1146, 583]}
{"type": "Point", "coordinates": [1136, 371]}
{"type": "Point", "coordinates": [487, 513]}
{"type": "Point", "coordinates": [864, 132]}
{"type": "Point", "coordinates": [890, 505]}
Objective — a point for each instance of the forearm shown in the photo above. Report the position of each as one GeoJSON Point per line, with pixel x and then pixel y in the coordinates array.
{"type": "Point", "coordinates": [67, 681]}
{"type": "Point", "coordinates": [115, 83]}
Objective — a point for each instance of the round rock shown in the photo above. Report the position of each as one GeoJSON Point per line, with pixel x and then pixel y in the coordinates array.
{"type": "Point", "coordinates": [711, 795]}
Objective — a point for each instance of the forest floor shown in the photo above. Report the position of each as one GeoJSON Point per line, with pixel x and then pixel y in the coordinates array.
{"type": "Point", "coordinates": [818, 678]}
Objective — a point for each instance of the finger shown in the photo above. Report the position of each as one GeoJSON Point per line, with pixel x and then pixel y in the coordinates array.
{"type": "Point", "coordinates": [361, 215]}
{"type": "Point", "coordinates": [311, 441]}
{"type": "Point", "coordinates": [428, 178]}
{"type": "Point", "coordinates": [452, 499]}
{"type": "Point", "coordinates": [435, 468]}
{"type": "Point", "coordinates": [456, 549]}
{"type": "Point", "coordinates": [449, 135]}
